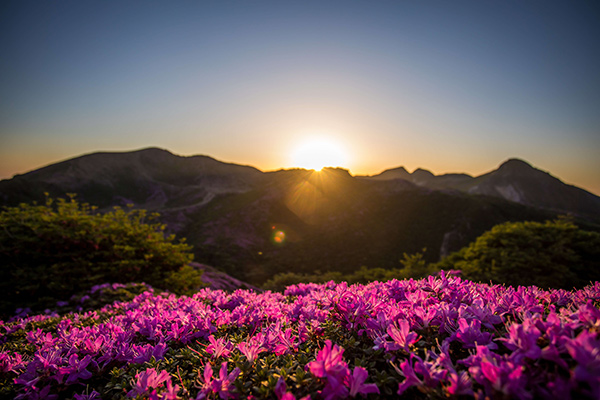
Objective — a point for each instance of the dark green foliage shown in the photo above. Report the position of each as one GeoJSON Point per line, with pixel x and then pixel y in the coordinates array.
{"type": "Point", "coordinates": [554, 254]}
{"type": "Point", "coordinates": [50, 252]}
{"type": "Point", "coordinates": [414, 266]}
{"type": "Point", "coordinates": [280, 281]}
{"type": "Point", "coordinates": [101, 296]}
{"type": "Point", "coordinates": [332, 221]}
{"type": "Point", "coordinates": [187, 280]}
{"type": "Point", "coordinates": [375, 229]}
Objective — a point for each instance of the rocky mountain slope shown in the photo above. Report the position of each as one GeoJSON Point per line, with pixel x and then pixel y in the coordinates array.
{"type": "Point", "coordinates": [253, 224]}
{"type": "Point", "coordinates": [150, 178]}
{"type": "Point", "coordinates": [515, 180]}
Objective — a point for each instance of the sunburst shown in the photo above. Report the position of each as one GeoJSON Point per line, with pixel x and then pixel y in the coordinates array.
{"type": "Point", "coordinates": [318, 153]}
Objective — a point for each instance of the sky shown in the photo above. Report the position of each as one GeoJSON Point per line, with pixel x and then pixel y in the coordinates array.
{"type": "Point", "coordinates": [449, 86]}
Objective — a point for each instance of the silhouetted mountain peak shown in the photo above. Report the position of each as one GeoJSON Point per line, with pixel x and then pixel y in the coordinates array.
{"type": "Point", "coordinates": [420, 172]}
{"type": "Point", "coordinates": [398, 170]}
{"type": "Point", "coordinates": [150, 178]}
{"type": "Point", "coordinates": [394, 173]}
{"type": "Point", "coordinates": [152, 150]}
{"type": "Point", "coordinates": [515, 180]}
{"type": "Point", "coordinates": [515, 165]}
{"type": "Point", "coordinates": [422, 177]}
{"type": "Point", "coordinates": [337, 171]}
{"type": "Point", "coordinates": [516, 169]}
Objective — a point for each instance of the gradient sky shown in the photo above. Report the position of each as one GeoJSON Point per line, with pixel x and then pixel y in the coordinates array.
{"type": "Point", "coordinates": [450, 86]}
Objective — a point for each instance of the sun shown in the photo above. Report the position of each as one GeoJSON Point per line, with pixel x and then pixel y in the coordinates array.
{"type": "Point", "coordinates": [318, 153]}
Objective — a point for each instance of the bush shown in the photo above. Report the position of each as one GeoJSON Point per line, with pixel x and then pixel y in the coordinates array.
{"type": "Point", "coordinates": [554, 254]}
{"type": "Point", "coordinates": [50, 252]}
{"type": "Point", "coordinates": [186, 280]}
{"type": "Point", "coordinates": [413, 266]}
{"type": "Point", "coordinates": [102, 295]}
{"type": "Point", "coordinates": [281, 281]}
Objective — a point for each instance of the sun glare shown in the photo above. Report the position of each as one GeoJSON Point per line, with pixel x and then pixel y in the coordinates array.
{"type": "Point", "coordinates": [319, 153]}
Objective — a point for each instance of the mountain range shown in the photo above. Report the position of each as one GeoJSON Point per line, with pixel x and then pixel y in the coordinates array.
{"type": "Point", "coordinates": [515, 180]}
{"type": "Point", "coordinates": [253, 224]}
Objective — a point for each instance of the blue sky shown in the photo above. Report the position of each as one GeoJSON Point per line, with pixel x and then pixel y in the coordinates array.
{"type": "Point", "coordinates": [450, 86]}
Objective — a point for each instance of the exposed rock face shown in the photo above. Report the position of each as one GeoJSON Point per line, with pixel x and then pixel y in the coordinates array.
{"type": "Point", "coordinates": [510, 193]}
{"type": "Point", "coordinates": [449, 242]}
{"type": "Point", "coordinates": [219, 280]}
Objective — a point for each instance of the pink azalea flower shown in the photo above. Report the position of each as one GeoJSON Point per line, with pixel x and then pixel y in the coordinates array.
{"type": "Point", "coordinates": [329, 361]}
{"type": "Point", "coordinates": [94, 346]}
{"type": "Point", "coordinates": [331, 366]}
{"type": "Point", "coordinates": [497, 374]}
{"type": "Point", "coordinates": [334, 389]}
{"type": "Point", "coordinates": [402, 337]}
{"type": "Point", "coordinates": [281, 391]}
{"type": "Point", "coordinates": [207, 381]}
{"type": "Point", "coordinates": [84, 396]}
{"type": "Point", "coordinates": [286, 342]}
{"type": "Point", "coordinates": [460, 384]}
{"type": "Point", "coordinates": [10, 363]}
{"type": "Point", "coordinates": [76, 369]}
{"type": "Point", "coordinates": [356, 383]}
{"type": "Point", "coordinates": [223, 386]}
{"type": "Point", "coordinates": [250, 350]}
{"type": "Point", "coordinates": [218, 347]}
{"type": "Point", "coordinates": [470, 335]}
{"type": "Point", "coordinates": [226, 381]}
{"type": "Point", "coordinates": [523, 339]}
{"type": "Point", "coordinates": [146, 380]}
{"type": "Point", "coordinates": [408, 372]}
{"type": "Point", "coordinates": [585, 349]}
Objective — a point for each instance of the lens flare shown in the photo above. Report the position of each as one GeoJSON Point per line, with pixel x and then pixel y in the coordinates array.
{"type": "Point", "coordinates": [279, 237]}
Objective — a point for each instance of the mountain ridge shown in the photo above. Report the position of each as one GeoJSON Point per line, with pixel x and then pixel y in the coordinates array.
{"type": "Point", "coordinates": [514, 180]}
{"type": "Point", "coordinates": [253, 224]}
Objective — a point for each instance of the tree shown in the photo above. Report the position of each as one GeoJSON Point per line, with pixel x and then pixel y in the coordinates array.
{"type": "Point", "coordinates": [554, 254]}
{"type": "Point", "coordinates": [50, 252]}
{"type": "Point", "coordinates": [415, 266]}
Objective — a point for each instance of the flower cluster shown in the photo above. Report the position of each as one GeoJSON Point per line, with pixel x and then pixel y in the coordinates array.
{"type": "Point", "coordinates": [436, 337]}
{"type": "Point", "coordinates": [340, 382]}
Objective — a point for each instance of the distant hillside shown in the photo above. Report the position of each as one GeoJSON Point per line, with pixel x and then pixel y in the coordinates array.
{"type": "Point", "coordinates": [514, 180]}
{"type": "Point", "coordinates": [253, 224]}
{"type": "Point", "coordinates": [150, 178]}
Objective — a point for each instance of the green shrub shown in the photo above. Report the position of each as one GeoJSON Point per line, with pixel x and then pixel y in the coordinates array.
{"type": "Point", "coordinates": [50, 252]}
{"type": "Point", "coordinates": [102, 295]}
{"type": "Point", "coordinates": [554, 254]}
{"type": "Point", "coordinates": [280, 281]}
{"type": "Point", "coordinates": [365, 275]}
{"type": "Point", "coordinates": [184, 281]}
{"type": "Point", "coordinates": [413, 266]}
